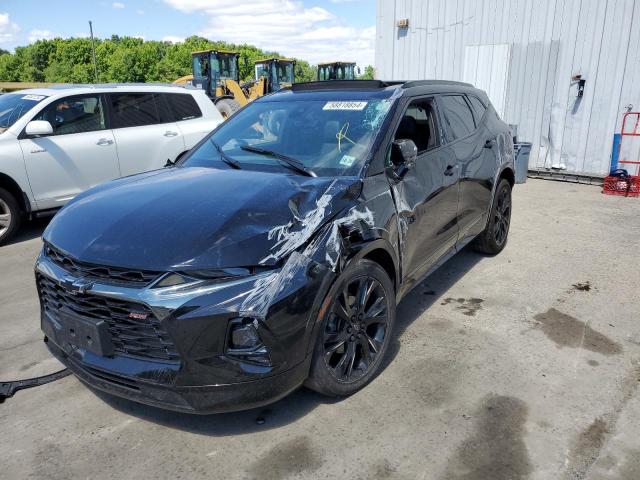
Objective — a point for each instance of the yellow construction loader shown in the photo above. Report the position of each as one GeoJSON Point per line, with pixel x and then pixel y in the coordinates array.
{"type": "Point", "coordinates": [274, 73]}
{"type": "Point", "coordinates": [216, 71]}
{"type": "Point", "coordinates": [336, 71]}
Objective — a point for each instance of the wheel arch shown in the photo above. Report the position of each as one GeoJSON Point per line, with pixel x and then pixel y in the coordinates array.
{"type": "Point", "coordinates": [380, 252]}
{"type": "Point", "coordinates": [12, 187]}
{"type": "Point", "coordinates": [508, 174]}
{"type": "Point", "coordinates": [223, 97]}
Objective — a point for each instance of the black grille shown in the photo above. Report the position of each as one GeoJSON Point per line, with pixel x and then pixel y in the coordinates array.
{"type": "Point", "coordinates": [130, 336]}
{"type": "Point", "coordinates": [103, 272]}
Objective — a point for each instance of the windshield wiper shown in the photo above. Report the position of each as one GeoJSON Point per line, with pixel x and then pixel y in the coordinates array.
{"type": "Point", "coordinates": [292, 163]}
{"type": "Point", "coordinates": [226, 158]}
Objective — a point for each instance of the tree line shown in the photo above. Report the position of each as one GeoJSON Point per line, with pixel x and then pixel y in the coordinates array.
{"type": "Point", "coordinates": [126, 59]}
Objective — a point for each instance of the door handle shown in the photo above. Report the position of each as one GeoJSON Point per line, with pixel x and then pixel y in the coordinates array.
{"type": "Point", "coordinates": [449, 170]}
{"type": "Point", "coordinates": [169, 133]}
{"type": "Point", "coordinates": [104, 141]}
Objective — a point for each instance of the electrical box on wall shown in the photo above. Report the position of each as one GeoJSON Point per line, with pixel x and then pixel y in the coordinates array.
{"type": "Point", "coordinates": [581, 82]}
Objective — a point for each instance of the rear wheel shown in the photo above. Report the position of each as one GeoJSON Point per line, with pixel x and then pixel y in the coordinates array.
{"type": "Point", "coordinates": [355, 332]}
{"type": "Point", "coordinates": [9, 215]}
{"type": "Point", "coordinates": [227, 107]}
{"type": "Point", "coordinates": [494, 237]}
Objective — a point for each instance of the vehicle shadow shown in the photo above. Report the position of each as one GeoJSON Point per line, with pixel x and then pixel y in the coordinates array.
{"type": "Point", "coordinates": [302, 401]}
{"type": "Point", "coordinates": [29, 230]}
{"type": "Point", "coordinates": [428, 292]}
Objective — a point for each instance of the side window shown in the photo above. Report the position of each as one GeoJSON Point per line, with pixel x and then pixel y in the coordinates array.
{"type": "Point", "coordinates": [134, 109]}
{"type": "Point", "coordinates": [183, 106]}
{"type": "Point", "coordinates": [83, 113]}
{"type": "Point", "coordinates": [478, 107]}
{"type": "Point", "coordinates": [457, 115]}
{"type": "Point", "coordinates": [419, 124]}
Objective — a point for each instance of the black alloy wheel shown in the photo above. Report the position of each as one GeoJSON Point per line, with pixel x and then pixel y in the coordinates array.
{"type": "Point", "coordinates": [355, 332]}
{"type": "Point", "coordinates": [502, 216]}
{"type": "Point", "coordinates": [494, 237]}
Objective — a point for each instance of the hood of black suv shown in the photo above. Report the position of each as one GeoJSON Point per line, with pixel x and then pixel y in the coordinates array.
{"type": "Point", "coordinates": [196, 218]}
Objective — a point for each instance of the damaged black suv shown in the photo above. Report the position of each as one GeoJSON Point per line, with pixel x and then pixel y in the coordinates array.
{"type": "Point", "coordinates": [274, 253]}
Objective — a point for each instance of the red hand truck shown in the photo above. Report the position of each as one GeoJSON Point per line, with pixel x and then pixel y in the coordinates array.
{"type": "Point", "coordinates": [628, 186]}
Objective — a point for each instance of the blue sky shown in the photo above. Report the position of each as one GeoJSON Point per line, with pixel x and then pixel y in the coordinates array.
{"type": "Point", "coordinates": [316, 30]}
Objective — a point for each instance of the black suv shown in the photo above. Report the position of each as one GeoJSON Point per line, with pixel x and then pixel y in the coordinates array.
{"type": "Point", "coordinates": [274, 253]}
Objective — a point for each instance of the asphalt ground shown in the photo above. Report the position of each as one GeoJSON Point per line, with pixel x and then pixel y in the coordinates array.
{"type": "Point", "coordinates": [521, 366]}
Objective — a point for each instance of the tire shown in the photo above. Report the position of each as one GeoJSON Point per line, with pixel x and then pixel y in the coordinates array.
{"type": "Point", "coordinates": [10, 216]}
{"type": "Point", "coordinates": [494, 237]}
{"type": "Point", "coordinates": [227, 107]}
{"type": "Point", "coordinates": [346, 340]}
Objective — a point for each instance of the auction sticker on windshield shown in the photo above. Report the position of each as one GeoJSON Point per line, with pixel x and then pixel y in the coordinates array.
{"type": "Point", "coordinates": [344, 105]}
{"type": "Point", "coordinates": [37, 98]}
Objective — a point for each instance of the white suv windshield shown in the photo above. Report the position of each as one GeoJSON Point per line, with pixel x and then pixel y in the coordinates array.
{"type": "Point", "coordinates": [15, 105]}
{"type": "Point", "coordinates": [327, 137]}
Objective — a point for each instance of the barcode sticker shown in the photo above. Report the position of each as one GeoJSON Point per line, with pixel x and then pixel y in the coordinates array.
{"type": "Point", "coordinates": [344, 105]}
{"type": "Point", "coordinates": [37, 98]}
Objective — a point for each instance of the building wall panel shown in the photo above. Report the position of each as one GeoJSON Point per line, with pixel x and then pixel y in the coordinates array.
{"type": "Point", "coordinates": [548, 42]}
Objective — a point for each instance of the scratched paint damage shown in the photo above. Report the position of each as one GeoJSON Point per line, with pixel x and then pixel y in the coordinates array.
{"type": "Point", "coordinates": [288, 240]}
{"type": "Point", "coordinates": [266, 289]}
{"type": "Point", "coordinates": [293, 235]}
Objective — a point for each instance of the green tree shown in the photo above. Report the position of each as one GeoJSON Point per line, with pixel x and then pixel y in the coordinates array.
{"type": "Point", "coordinates": [70, 61]}
{"type": "Point", "coordinates": [368, 74]}
{"type": "Point", "coordinates": [124, 59]}
{"type": "Point", "coordinates": [305, 72]}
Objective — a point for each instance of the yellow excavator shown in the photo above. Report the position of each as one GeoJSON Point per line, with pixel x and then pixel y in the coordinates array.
{"type": "Point", "coordinates": [217, 72]}
{"type": "Point", "coordinates": [336, 71]}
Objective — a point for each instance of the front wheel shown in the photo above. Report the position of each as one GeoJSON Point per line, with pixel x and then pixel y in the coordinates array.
{"type": "Point", "coordinates": [227, 107]}
{"type": "Point", "coordinates": [494, 238]}
{"type": "Point", "coordinates": [355, 332]}
{"type": "Point", "coordinates": [9, 215]}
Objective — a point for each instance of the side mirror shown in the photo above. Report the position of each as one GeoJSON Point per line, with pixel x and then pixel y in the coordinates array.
{"type": "Point", "coordinates": [403, 157]}
{"type": "Point", "coordinates": [38, 128]}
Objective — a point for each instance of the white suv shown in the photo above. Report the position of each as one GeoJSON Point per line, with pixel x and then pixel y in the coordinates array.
{"type": "Point", "coordinates": [56, 142]}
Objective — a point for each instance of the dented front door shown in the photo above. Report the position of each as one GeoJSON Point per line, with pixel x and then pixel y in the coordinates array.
{"type": "Point", "coordinates": [427, 196]}
{"type": "Point", "coordinates": [427, 202]}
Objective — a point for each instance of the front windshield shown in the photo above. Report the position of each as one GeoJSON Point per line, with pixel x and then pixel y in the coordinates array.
{"type": "Point", "coordinates": [261, 70]}
{"type": "Point", "coordinates": [15, 105]}
{"type": "Point", "coordinates": [325, 72]}
{"type": "Point", "coordinates": [225, 66]}
{"type": "Point", "coordinates": [328, 137]}
{"type": "Point", "coordinates": [285, 72]}
{"type": "Point", "coordinates": [349, 72]}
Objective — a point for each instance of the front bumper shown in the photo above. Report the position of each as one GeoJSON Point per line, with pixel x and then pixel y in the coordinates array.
{"type": "Point", "coordinates": [202, 399]}
{"type": "Point", "coordinates": [200, 376]}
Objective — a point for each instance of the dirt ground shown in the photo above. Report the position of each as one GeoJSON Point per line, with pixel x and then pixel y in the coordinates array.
{"type": "Point", "coordinates": [521, 366]}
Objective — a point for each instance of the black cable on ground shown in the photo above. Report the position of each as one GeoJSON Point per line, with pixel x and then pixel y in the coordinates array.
{"type": "Point", "coordinates": [7, 389]}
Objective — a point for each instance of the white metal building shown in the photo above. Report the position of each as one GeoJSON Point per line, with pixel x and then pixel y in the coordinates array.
{"type": "Point", "coordinates": [526, 55]}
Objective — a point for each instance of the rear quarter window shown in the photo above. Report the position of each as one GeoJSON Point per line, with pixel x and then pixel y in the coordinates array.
{"type": "Point", "coordinates": [457, 116]}
{"type": "Point", "coordinates": [478, 107]}
{"type": "Point", "coordinates": [134, 109]}
{"type": "Point", "coordinates": [182, 106]}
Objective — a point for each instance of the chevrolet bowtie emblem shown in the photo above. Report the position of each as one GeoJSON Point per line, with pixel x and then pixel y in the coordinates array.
{"type": "Point", "coordinates": [76, 285]}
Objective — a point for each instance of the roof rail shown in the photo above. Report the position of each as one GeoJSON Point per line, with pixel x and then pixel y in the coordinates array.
{"type": "Point", "coordinates": [342, 85]}
{"type": "Point", "coordinates": [424, 83]}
